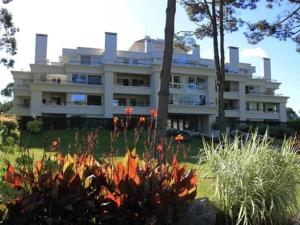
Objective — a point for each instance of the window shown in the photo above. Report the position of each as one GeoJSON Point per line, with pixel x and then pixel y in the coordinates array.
{"type": "Point", "coordinates": [125, 82]}
{"type": "Point", "coordinates": [26, 103]}
{"type": "Point", "coordinates": [257, 106]}
{"type": "Point", "coordinates": [125, 60]}
{"type": "Point", "coordinates": [94, 80]}
{"type": "Point", "coordinates": [79, 78]}
{"type": "Point", "coordinates": [85, 59]}
{"type": "Point", "coordinates": [200, 81]}
{"type": "Point", "coordinates": [95, 60]}
{"type": "Point", "coordinates": [94, 100]}
{"type": "Point", "coordinates": [133, 102]}
{"type": "Point", "coordinates": [170, 98]}
{"type": "Point", "coordinates": [122, 101]}
{"type": "Point", "coordinates": [134, 82]}
{"type": "Point", "coordinates": [191, 80]}
{"type": "Point", "coordinates": [135, 61]}
{"type": "Point", "coordinates": [79, 99]}
{"type": "Point", "coordinates": [141, 83]}
{"type": "Point", "coordinates": [176, 79]}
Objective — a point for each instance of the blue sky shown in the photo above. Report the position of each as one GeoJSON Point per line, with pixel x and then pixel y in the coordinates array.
{"type": "Point", "coordinates": [72, 23]}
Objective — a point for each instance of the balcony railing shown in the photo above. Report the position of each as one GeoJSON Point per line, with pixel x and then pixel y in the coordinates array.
{"type": "Point", "coordinates": [59, 81]}
{"type": "Point", "coordinates": [23, 106]}
{"type": "Point", "coordinates": [190, 103]}
{"type": "Point", "coordinates": [262, 93]}
{"type": "Point", "coordinates": [191, 87]}
{"type": "Point", "coordinates": [131, 85]}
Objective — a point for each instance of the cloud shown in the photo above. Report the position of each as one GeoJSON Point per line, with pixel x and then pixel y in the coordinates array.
{"type": "Point", "coordinates": [253, 52]}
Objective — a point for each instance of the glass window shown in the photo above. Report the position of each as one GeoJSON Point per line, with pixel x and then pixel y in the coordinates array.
{"type": "Point", "coordinates": [78, 99]}
{"type": "Point", "coordinates": [134, 82]}
{"type": "Point", "coordinates": [176, 79]}
{"type": "Point", "coordinates": [79, 78]}
{"type": "Point", "coordinates": [95, 60]}
{"type": "Point", "coordinates": [191, 80]}
{"type": "Point", "coordinates": [85, 59]}
{"type": "Point", "coordinates": [94, 80]}
{"type": "Point", "coordinates": [94, 100]}
{"type": "Point", "coordinates": [133, 102]}
{"type": "Point", "coordinates": [125, 82]}
{"type": "Point", "coordinates": [122, 101]}
{"type": "Point", "coordinates": [141, 83]}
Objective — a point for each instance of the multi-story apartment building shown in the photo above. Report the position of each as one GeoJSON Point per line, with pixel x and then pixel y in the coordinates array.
{"type": "Point", "coordinates": [100, 83]}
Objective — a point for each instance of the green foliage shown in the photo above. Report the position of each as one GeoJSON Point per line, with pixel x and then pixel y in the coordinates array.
{"type": "Point", "coordinates": [8, 90]}
{"type": "Point", "coordinates": [294, 125]}
{"type": "Point", "coordinates": [3, 130]}
{"type": "Point", "coordinates": [10, 141]}
{"type": "Point", "coordinates": [8, 41]}
{"type": "Point", "coordinates": [253, 182]}
{"type": "Point", "coordinates": [34, 126]}
{"type": "Point", "coordinates": [11, 124]}
{"type": "Point", "coordinates": [15, 134]}
{"type": "Point", "coordinates": [79, 190]}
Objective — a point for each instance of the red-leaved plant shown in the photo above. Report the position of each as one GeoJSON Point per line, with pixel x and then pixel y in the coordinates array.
{"type": "Point", "coordinates": [78, 190]}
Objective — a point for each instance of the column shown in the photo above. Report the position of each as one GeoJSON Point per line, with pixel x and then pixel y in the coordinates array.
{"type": "Point", "coordinates": [211, 90]}
{"type": "Point", "coordinates": [108, 94]}
{"type": "Point", "coordinates": [242, 101]}
{"type": "Point", "coordinates": [155, 86]}
{"type": "Point", "coordinates": [211, 121]}
{"type": "Point", "coordinates": [282, 112]}
{"type": "Point", "coordinates": [36, 103]}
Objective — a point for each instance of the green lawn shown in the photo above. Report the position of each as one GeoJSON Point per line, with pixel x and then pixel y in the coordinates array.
{"type": "Point", "coordinates": [42, 141]}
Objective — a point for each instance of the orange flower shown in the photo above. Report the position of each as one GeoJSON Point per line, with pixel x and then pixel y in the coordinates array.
{"type": "Point", "coordinates": [142, 119]}
{"type": "Point", "coordinates": [153, 113]}
{"type": "Point", "coordinates": [159, 148]}
{"type": "Point", "coordinates": [128, 110]}
{"type": "Point", "coordinates": [179, 138]}
{"type": "Point", "coordinates": [115, 119]}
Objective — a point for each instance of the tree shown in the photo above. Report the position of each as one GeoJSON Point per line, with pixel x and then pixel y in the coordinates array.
{"type": "Point", "coordinates": [286, 26]}
{"type": "Point", "coordinates": [165, 75]}
{"type": "Point", "coordinates": [291, 114]}
{"type": "Point", "coordinates": [8, 43]}
{"type": "Point", "coordinates": [8, 90]}
{"type": "Point", "coordinates": [213, 19]}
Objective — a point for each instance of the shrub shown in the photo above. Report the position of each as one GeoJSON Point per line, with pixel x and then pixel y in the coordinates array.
{"type": "Point", "coordinates": [34, 126]}
{"type": "Point", "coordinates": [11, 124]}
{"type": "Point", "coordinates": [10, 141]}
{"type": "Point", "coordinates": [253, 182]}
{"type": "Point", "coordinates": [78, 190]}
{"type": "Point", "coordinates": [15, 135]}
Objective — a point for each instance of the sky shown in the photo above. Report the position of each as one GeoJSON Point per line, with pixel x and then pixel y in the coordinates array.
{"type": "Point", "coordinates": [73, 23]}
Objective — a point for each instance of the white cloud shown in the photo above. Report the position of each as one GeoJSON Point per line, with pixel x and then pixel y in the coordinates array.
{"type": "Point", "coordinates": [253, 52]}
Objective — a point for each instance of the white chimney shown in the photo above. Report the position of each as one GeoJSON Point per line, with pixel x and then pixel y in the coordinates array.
{"type": "Point", "coordinates": [196, 51]}
{"type": "Point", "coordinates": [41, 48]}
{"type": "Point", "coordinates": [148, 44]}
{"type": "Point", "coordinates": [234, 59]}
{"type": "Point", "coordinates": [110, 51]}
{"type": "Point", "coordinates": [267, 68]}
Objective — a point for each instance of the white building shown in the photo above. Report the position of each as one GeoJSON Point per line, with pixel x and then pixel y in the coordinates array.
{"type": "Point", "coordinates": [100, 83]}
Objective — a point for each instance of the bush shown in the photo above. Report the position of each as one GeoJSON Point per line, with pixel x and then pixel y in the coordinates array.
{"type": "Point", "coordinates": [11, 124]}
{"type": "Point", "coordinates": [78, 190]}
{"type": "Point", "coordinates": [15, 135]}
{"type": "Point", "coordinates": [253, 182]}
{"type": "Point", "coordinates": [34, 126]}
{"type": "Point", "coordinates": [10, 141]}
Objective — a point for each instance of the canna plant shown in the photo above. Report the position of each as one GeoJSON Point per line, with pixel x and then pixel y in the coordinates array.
{"type": "Point", "coordinates": [78, 190]}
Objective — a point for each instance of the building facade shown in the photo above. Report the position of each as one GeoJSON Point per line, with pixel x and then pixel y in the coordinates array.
{"type": "Point", "coordinates": [101, 83]}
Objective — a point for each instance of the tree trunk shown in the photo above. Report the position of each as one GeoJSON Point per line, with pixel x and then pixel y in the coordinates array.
{"type": "Point", "coordinates": [222, 119]}
{"type": "Point", "coordinates": [165, 75]}
{"type": "Point", "coordinates": [219, 64]}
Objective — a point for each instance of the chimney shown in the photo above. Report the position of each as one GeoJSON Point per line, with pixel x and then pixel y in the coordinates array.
{"type": "Point", "coordinates": [110, 51]}
{"type": "Point", "coordinates": [196, 51]}
{"type": "Point", "coordinates": [148, 44]}
{"type": "Point", "coordinates": [267, 68]}
{"type": "Point", "coordinates": [41, 48]}
{"type": "Point", "coordinates": [234, 59]}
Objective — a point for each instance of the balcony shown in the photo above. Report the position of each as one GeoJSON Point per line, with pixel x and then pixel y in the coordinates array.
{"type": "Point", "coordinates": [232, 112]}
{"type": "Point", "coordinates": [138, 110]}
{"type": "Point", "coordinates": [192, 107]}
{"type": "Point", "coordinates": [231, 93]}
{"type": "Point", "coordinates": [22, 110]}
{"type": "Point", "coordinates": [260, 114]}
{"type": "Point", "coordinates": [120, 88]}
{"type": "Point", "coordinates": [188, 88]}
{"type": "Point", "coordinates": [73, 109]}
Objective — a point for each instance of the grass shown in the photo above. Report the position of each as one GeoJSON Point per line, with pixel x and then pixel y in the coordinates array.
{"type": "Point", "coordinates": [43, 140]}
